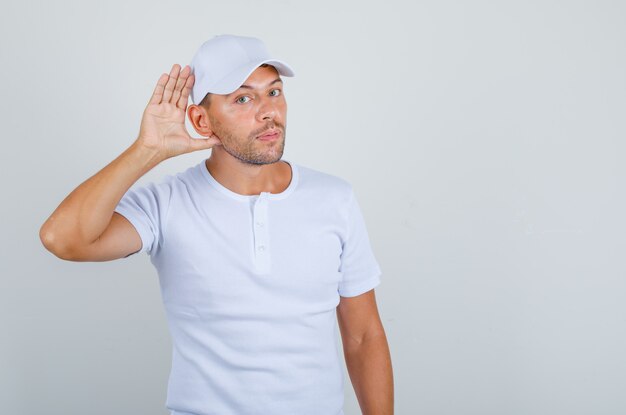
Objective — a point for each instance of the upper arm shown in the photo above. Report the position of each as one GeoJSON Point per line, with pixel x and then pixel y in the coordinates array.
{"type": "Point", "coordinates": [359, 268]}
{"type": "Point", "coordinates": [135, 226]}
{"type": "Point", "coordinates": [358, 319]}
{"type": "Point", "coordinates": [119, 240]}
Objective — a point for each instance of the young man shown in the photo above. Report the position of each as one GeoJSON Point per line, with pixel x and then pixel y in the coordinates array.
{"type": "Point", "coordinates": [254, 255]}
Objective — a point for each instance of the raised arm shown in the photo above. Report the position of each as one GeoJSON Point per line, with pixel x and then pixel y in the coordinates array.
{"type": "Point", "coordinates": [84, 227]}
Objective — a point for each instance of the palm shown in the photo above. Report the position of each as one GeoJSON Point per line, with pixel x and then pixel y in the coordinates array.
{"type": "Point", "coordinates": [163, 123]}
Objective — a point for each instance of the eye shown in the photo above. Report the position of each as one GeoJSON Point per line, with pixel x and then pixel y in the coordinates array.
{"type": "Point", "coordinates": [278, 92]}
{"type": "Point", "coordinates": [239, 100]}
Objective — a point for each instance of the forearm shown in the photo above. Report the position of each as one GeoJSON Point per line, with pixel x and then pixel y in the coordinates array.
{"type": "Point", "coordinates": [370, 370]}
{"type": "Point", "coordinates": [86, 212]}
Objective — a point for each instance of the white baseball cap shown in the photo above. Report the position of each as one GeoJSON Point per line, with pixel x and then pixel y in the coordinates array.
{"type": "Point", "coordinates": [223, 63]}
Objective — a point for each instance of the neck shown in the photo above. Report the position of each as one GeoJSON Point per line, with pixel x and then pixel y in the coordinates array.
{"type": "Point", "coordinates": [249, 179]}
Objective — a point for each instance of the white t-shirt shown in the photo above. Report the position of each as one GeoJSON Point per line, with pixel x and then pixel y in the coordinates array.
{"type": "Point", "coordinates": [250, 286]}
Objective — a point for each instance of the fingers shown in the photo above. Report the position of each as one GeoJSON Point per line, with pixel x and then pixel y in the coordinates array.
{"type": "Point", "coordinates": [180, 83]}
{"type": "Point", "coordinates": [171, 83]}
{"type": "Point", "coordinates": [174, 88]}
{"type": "Point", "coordinates": [184, 96]}
{"type": "Point", "coordinates": [157, 95]}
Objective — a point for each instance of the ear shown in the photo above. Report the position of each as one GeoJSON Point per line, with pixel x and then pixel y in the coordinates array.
{"type": "Point", "coordinates": [199, 118]}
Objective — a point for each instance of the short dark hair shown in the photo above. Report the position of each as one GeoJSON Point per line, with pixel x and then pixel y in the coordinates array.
{"type": "Point", "coordinates": [206, 101]}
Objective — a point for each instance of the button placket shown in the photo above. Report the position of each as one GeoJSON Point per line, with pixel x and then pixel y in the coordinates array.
{"type": "Point", "coordinates": [261, 234]}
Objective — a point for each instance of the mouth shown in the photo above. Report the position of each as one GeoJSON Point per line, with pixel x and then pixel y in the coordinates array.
{"type": "Point", "coordinates": [269, 135]}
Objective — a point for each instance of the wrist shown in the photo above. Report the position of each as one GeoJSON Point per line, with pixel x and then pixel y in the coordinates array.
{"type": "Point", "coordinates": [144, 156]}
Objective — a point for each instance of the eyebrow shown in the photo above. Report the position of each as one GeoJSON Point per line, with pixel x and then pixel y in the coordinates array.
{"type": "Point", "coordinates": [249, 87]}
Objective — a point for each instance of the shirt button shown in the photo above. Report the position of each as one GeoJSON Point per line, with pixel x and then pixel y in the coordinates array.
{"type": "Point", "coordinates": [259, 224]}
{"type": "Point", "coordinates": [261, 247]}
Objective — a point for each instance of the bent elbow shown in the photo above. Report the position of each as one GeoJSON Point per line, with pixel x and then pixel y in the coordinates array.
{"type": "Point", "coordinates": [55, 244]}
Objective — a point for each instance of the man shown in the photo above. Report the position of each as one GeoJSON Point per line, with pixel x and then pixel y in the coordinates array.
{"type": "Point", "coordinates": [255, 255]}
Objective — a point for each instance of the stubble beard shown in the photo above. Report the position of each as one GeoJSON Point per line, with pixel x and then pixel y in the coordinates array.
{"type": "Point", "coordinates": [251, 150]}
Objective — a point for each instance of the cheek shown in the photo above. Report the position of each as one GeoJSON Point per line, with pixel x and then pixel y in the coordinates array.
{"type": "Point", "coordinates": [233, 123]}
{"type": "Point", "coordinates": [236, 132]}
{"type": "Point", "coordinates": [238, 119]}
{"type": "Point", "coordinates": [283, 108]}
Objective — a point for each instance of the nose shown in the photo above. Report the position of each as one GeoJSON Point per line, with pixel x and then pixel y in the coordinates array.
{"type": "Point", "coordinates": [267, 110]}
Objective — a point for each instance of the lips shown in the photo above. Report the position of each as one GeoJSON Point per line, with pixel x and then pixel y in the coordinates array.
{"type": "Point", "coordinates": [269, 135]}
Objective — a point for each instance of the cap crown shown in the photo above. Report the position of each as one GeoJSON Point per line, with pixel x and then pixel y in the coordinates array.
{"type": "Point", "coordinates": [223, 63]}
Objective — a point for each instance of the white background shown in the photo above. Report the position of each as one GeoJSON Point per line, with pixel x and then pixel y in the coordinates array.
{"type": "Point", "coordinates": [484, 140]}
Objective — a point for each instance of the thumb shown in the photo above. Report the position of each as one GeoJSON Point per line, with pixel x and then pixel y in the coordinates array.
{"type": "Point", "coordinates": [204, 143]}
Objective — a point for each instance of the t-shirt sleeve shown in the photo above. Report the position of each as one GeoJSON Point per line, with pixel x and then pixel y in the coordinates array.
{"type": "Point", "coordinates": [146, 207]}
{"type": "Point", "coordinates": [359, 268]}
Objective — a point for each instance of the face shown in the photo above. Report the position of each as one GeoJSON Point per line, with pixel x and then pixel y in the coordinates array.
{"type": "Point", "coordinates": [240, 118]}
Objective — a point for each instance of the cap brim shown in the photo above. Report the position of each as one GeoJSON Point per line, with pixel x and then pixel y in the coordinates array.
{"type": "Point", "coordinates": [233, 81]}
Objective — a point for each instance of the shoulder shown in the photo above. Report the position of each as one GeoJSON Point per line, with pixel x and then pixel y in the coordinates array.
{"type": "Point", "coordinates": [330, 185]}
{"type": "Point", "coordinates": [165, 185]}
{"type": "Point", "coordinates": [184, 178]}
